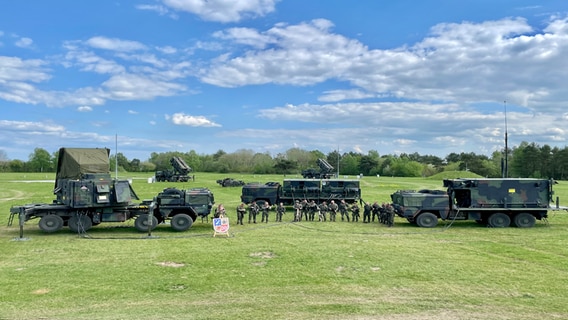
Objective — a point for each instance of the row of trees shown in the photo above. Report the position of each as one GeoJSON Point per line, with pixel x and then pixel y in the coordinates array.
{"type": "Point", "coordinates": [527, 160]}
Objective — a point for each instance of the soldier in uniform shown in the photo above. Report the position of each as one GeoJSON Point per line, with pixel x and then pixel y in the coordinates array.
{"type": "Point", "coordinates": [383, 213]}
{"type": "Point", "coordinates": [241, 213]}
{"type": "Point", "coordinates": [253, 210]}
{"type": "Point", "coordinates": [355, 212]}
{"type": "Point", "coordinates": [343, 210]}
{"type": "Point", "coordinates": [390, 216]}
{"type": "Point", "coordinates": [376, 209]}
{"type": "Point", "coordinates": [265, 208]}
{"type": "Point", "coordinates": [280, 210]}
{"type": "Point", "coordinates": [305, 209]}
{"type": "Point", "coordinates": [298, 211]}
{"type": "Point", "coordinates": [220, 211]}
{"type": "Point", "coordinates": [312, 208]}
{"type": "Point", "coordinates": [332, 210]}
{"type": "Point", "coordinates": [323, 211]}
{"type": "Point", "coordinates": [367, 212]}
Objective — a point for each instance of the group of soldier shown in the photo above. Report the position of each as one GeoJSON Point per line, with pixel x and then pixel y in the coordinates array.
{"type": "Point", "coordinates": [310, 211]}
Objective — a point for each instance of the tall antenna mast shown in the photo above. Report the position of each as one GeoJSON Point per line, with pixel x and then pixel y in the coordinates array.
{"type": "Point", "coordinates": [506, 166]}
{"type": "Point", "coordinates": [116, 156]}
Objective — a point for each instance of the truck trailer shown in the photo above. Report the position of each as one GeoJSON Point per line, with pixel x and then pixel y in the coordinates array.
{"type": "Point", "coordinates": [497, 203]}
{"type": "Point", "coordinates": [302, 189]}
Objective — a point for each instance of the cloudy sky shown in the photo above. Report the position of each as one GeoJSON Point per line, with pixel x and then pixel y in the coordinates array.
{"type": "Point", "coordinates": [432, 77]}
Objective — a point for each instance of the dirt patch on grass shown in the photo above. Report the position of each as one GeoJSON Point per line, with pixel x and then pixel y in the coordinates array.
{"type": "Point", "coordinates": [263, 255]}
{"type": "Point", "coordinates": [171, 264]}
{"type": "Point", "coordinates": [41, 291]}
{"type": "Point", "coordinates": [18, 195]}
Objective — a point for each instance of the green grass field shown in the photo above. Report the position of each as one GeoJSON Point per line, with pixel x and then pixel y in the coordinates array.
{"type": "Point", "coordinates": [307, 270]}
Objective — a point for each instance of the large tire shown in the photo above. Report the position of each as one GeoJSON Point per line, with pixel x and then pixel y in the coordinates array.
{"type": "Point", "coordinates": [524, 220]}
{"type": "Point", "coordinates": [427, 220]}
{"type": "Point", "coordinates": [141, 222]}
{"type": "Point", "coordinates": [51, 223]}
{"type": "Point", "coordinates": [80, 223]}
{"type": "Point", "coordinates": [181, 222]}
{"type": "Point", "coordinates": [499, 220]}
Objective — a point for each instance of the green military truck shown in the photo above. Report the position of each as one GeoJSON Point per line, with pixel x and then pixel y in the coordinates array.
{"type": "Point", "coordinates": [299, 189]}
{"type": "Point", "coordinates": [497, 203]}
{"type": "Point", "coordinates": [86, 195]}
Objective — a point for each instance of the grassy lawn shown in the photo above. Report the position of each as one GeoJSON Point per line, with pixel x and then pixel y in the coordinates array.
{"type": "Point", "coordinates": [306, 270]}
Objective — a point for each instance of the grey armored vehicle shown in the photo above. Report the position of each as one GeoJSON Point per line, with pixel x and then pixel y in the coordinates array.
{"type": "Point", "coordinates": [86, 195]}
{"type": "Point", "coordinates": [495, 202]}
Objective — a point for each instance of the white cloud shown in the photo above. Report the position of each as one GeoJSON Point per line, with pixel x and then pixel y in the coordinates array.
{"type": "Point", "coordinates": [115, 44]}
{"type": "Point", "coordinates": [161, 10]}
{"type": "Point", "coordinates": [339, 95]}
{"type": "Point", "coordinates": [167, 49]}
{"type": "Point", "coordinates": [30, 126]}
{"type": "Point", "coordinates": [132, 112]}
{"type": "Point", "coordinates": [191, 121]}
{"type": "Point", "coordinates": [24, 43]}
{"type": "Point", "coordinates": [468, 62]}
{"type": "Point", "coordinates": [84, 109]}
{"type": "Point", "coordinates": [139, 87]}
{"type": "Point", "coordinates": [223, 10]}
{"type": "Point", "coordinates": [246, 36]}
{"type": "Point", "coordinates": [302, 54]}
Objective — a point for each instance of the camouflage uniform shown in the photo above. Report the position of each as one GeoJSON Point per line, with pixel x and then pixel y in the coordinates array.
{"type": "Point", "coordinates": [280, 210]}
{"type": "Point", "coordinates": [367, 213]}
{"type": "Point", "coordinates": [219, 212]}
{"type": "Point", "coordinates": [390, 216]}
{"type": "Point", "coordinates": [332, 210]}
{"type": "Point", "coordinates": [253, 210]}
{"type": "Point", "coordinates": [265, 209]}
{"type": "Point", "coordinates": [305, 209]}
{"type": "Point", "coordinates": [241, 213]}
{"type": "Point", "coordinates": [376, 210]}
{"type": "Point", "coordinates": [383, 213]}
{"type": "Point", "coordinates": [343, 210]}
{"type": "Point", "coordinates": [355, 212]}
{"type": "Point", "coordinates": [298, 211]}
{"type": "Point", "coordinates": [312, 209]}
{"type": "Point", "coordinates": [323, 211]}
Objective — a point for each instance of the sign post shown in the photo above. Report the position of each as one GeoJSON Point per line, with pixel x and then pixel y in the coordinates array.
{"type": "Point", "coordinates": [221, 226]}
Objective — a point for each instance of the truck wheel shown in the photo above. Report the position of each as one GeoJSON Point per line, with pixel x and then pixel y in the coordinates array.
{"type": "Point", "coordinates": [80, 223]}
{"type": "Point", "coordinates": [51, 223]}
{"type": "Point", "coordinates": [499, 220]}
{"type": "Point", "coordinates": [427, 220]}
{"type": "Point", "coordinates": [141, 222]}
{"type": "Point", "coordinates": [181, 222]}
{"type": "Point", "coordinates": [524, 220]}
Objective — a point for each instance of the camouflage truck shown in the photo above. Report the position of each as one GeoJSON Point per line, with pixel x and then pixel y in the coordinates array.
{"type": "Point", "coordinates": [86, 195]}
{"type": "Point", "coordinates": [325, 172]}
{"type": "Point", "coordinates": [299, 189]}
{"type": "Point", "coordinates": [497, 203]}
{"type": "Point", "coordinates": [179, 173]}
{"type": "Point", "coordinates": [230, 182]}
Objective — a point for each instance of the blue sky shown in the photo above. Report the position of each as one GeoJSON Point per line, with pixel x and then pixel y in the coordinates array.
{"type": "Point", "coordinates": [177, 75]}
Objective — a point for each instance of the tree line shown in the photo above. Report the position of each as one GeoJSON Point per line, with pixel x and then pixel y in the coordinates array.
{"type": "Point", "coordinates": [527, 160]}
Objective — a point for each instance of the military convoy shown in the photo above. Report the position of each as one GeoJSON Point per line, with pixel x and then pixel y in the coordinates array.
{"type": "Point", "coordinates": [86, 195]}
{"type": "Point", "coordinates": [497, 203]}
{"type": "Point", "coordinates": [179, 173]}
{"type": "Point", "coordinates": [299, 189]}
